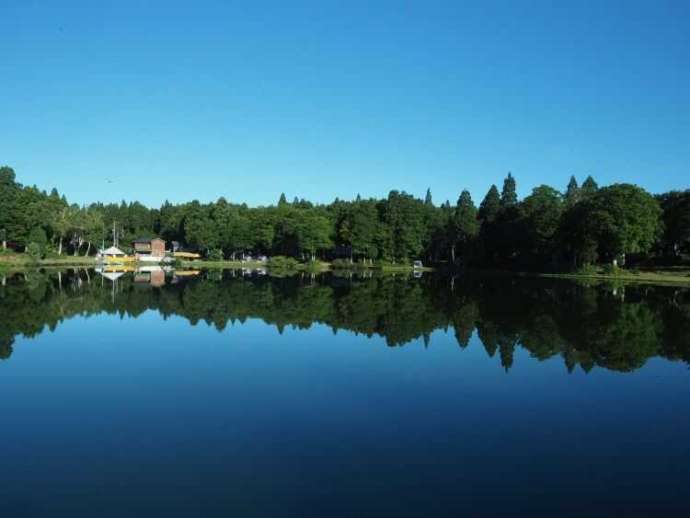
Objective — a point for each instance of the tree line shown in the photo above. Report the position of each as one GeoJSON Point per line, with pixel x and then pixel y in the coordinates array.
{"type": "Point", "coordinates": [584, 224]}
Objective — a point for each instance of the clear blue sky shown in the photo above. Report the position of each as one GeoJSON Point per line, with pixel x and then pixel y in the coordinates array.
{"type": "Point", "coordinates": [323, 99]}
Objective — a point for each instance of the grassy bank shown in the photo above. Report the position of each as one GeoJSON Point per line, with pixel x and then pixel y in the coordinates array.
{"type": "Point", "coordinates": [8, 261]}
{"type": "Point", "coordinates": [678, 275]}
{"type": "Point", "coordinates": [318, 266]}
{"type": "Point", "coordinates": [401, 268]}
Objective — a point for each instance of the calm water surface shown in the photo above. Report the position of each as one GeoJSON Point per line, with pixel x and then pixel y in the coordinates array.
{"type": "Point", "coordinates": [228, 395]}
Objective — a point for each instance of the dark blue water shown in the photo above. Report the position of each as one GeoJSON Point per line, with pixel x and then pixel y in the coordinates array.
{"type": "Point", "coordinates": [127, 407]}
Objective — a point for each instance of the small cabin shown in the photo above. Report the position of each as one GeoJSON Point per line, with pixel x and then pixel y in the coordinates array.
{"type": "Point", "coordinates": [152, 247]}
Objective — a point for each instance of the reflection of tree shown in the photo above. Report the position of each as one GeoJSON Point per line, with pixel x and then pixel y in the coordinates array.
{"type": "Point", "coordinates": [464, 321]}
{"type": "Point", "coordinates": [628, 340]}
{"type": "Point", "coordinates": [506, 348]}
{"type": "Point", "coordinates": [6, 347]}
{"type": "Point", "coordinates": [488, 335]}
{"type": "Point", "coordinates": [586, 325]}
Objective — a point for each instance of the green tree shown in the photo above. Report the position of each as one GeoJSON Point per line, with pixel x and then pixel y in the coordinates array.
{"type": "Point", "coordinates": [542, 211]}
{"type": "Point", "coordinates": [61, 224]}
{"type": "Point", "coordinates": [465, 224]}
{"type": "Point", "coordinates": [10, 209]}
{"type": "Point", "coordinates": [404, 217]}
{"type": "Point", "coordinates": [200, 232]}
{"type": "Point", "coordinates": [490, 205]}
{"type": "Point", "coordinates": [636, 216]}
{"type": "Point", "coordinates": [572, 192]}
{"type": "Point", "coordinates": [314, 231]}
{"type": "Point", "coordinates": [509, 192]}
{"type": "Point", "coordinates": [589, 188]}
{"type": "Point", "coordinates": [427, 199]}
{"type": "Point", "coordinates": [38, 237]}
{"type": "Point", "coordinates": [621, 219]}
{"type": "Point", "coordinates": [363, 229]}
{"type": "Point", "coordinates": [94, 228]}
{"type": "Point", "coordinates": [676, 218]}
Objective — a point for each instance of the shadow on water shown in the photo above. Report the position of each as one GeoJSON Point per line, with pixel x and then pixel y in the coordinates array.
{"type": "Point", "coordinates": [615, 327]}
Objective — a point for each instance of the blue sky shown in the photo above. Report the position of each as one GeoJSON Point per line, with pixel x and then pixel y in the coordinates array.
{"type": "Point", "coordinates": [322, 99]}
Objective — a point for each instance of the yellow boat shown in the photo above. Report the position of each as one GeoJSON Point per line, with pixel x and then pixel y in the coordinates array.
{"type": "Point", "coordinates": [118, 268]}
{"type": "Point", "coordinates": [186, 255]}
{"type": "Point", "coordinates": [120, 259]}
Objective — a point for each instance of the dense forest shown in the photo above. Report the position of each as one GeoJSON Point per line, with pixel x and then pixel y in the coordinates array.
{"type": "Point", "coordinates": [548, 229]}
{"type": "Point", "coordinates": [616, 328]}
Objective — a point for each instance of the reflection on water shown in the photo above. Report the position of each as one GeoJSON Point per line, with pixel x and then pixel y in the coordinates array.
{"type": "Point", "coordinates": [172, 394]}
{"type": "Point", "coordinates": [618, 328]}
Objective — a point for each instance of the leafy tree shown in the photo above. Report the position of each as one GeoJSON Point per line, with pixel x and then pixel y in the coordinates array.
{"type": "Point", "coordinates": [465, 224]}
{"type": "Point", "coordinates": [404, 216]}
{"type": "Point", "coordinates": [636, 216]}
{"type": "Point", "coordinates": [579, 232]}
{"type": "Point", "coordinates": [542, 211]}
{"type": "Point", "coordinates": [61, 224]}
{"type": "Point", "coordinates": [200, 232]}
{"type": "Point", "coordinates": [34, 251]}
{"type": "Point", "coordinates": [621, 219]}
{"type": "Point", "coordinates": [676, 218]}
{"type": "Point", "coordinates": [38, 237]}
{"type": "Point", "coordinates": [314, 231]}
{"type": "Point", "coordinates": [363, 226]}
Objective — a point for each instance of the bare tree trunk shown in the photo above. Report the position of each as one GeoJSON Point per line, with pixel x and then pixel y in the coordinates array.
{"type": "Point", "coordinates": [4, 244]}
{"type": "Point", "coordinates": [452, 254]}
{"type": "Point", "coordinates": [60, 245]}
{"type": "Point", "coordinates": [88, 249]}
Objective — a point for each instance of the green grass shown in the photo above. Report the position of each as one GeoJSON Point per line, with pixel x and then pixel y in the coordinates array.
{"type": "Point", "coordinates": [341, 264]}
{"type": "Point", "coordinates": [679, 275]}
{"type": "Point", "coordinates": [11, 260]}
{"type": "Point", "coordinates": [318, 266]}
{"type": "Point", "coordinates": [401, 268]}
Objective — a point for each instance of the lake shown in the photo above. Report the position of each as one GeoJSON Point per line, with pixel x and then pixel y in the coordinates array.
{"type": "Point", "coordinates": [226, 393]}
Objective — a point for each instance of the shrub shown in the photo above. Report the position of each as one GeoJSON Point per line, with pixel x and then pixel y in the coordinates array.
{"type": "Point", "coordinates": [610, 269]}
{"type": "Point", "coordinates": [341, 263]}
{"type": "Point", "coordinates": [34, 251]}
{"type": "Point", "coordinates": [345, 264]}
{"type": "Point", "coordinates": [587, 269]}
{"type": "Point", "coordinates": [215, 254]}
{"type": "Point", "coordinates": [280, 262]}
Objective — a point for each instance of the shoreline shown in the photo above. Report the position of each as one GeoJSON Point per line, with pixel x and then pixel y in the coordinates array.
{"type": "Point", "coordinates": [679, 276]}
